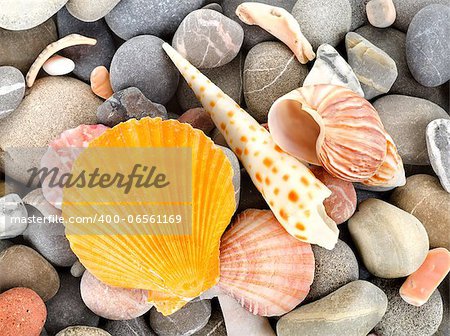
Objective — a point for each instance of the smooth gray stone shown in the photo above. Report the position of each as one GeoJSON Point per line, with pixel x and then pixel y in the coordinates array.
{"type": "Point", "coordinates": [444, 328]}
{"type": "Point", "coordinates": [13, 215]}
{"type": "Point", "coordinates": [352, 310]}
{"type": "Point", "coordinates": [359, 17]}
{"type": "Point", "coordinates": [407, 9]}
{"type": "Point", "coordinates": [331, 68]}
{"type": "Point", "coordinates": [67, 308]}
{"type": "Point", "coordinates": [82, 331]}
{"type": "Point", "coordinates": [271, 70]}
{"type": "Point", "coordinates": [135, 327]}
{"type": "Point", "coordinates": [77, 269]}
{"type": "Point", "coordinates": [227, 77]}
{"type": "Point", "coordinates": [375, 69]}
{"type": "Point", "coordinates": [128, 104]}
{"type": "Point", "coordinates": [21, 48]}
{"type": "Point", "coordinates": [88, 10]}
{"type": "Point", "coordinates": [214, 6]}
{"type": "Point", "coordinates": [186, 321]}
{"type": "Point", "coordinates": [428, 45]}
{"type": "Point", "coordinates": [157, 78]}
{"type": "Point", "coordinates": [333, 270]}
{"type": "Point", "coordinates": [403, 319]}
{"type": "Point", "coordinates": [86, 57]}
{"type": "Point", "coordinates": [406, 119]}
{"type": "Point", "coordinates": [393, 42]}
{"type": "Point", "coordinates": [27, 14]}
{"type": "Point", "coordinates": [253, 34]}
{"type": "Point", "coordinates": [215, 326]}
{"type": "Point", "coordinates": [12, 90]}
{"type": "Point", "coordinates": [391, 242]}
{"type": "Point", "coordinates": [161, 18]}
{"type": "Point", "coordinates": [47, 236]}
{"type": "Point", "coordinates": [4, 244]}
{"type": "Point", "coordinates": [323, 21]}
{"type": "Point", "coordinates": [237, 172]}
{"type": "Point", "coordinates": [438, 144]}
{"type": "Point", "coordinates": [208, 39]}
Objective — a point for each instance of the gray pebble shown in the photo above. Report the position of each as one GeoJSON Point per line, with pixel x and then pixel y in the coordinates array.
{"type": "Point", "coordinates": [352, 310]}
{"type": "Point", "coordinates": [375, 69]}
{"type": "Point", "coordinates": [438, 144]}
{"type": "Point", "coordinates": [359, 17]}
{"type": "Point", "coordinates": [12, 90]}
{"type": "Point", "coordinates": [444, 328]}
{"type": "Point", "coordinates": [67, 308]}
{"type": "Point", "coordinates": [323, 21]}
{"type": "Point", "coordinates": [141, 62]}
{"type": "Point", "coordinates": [208, 39]}
{"type": "Point", "coordinates": [77, 269]}
{"type": "Point", "coordinates": [186, 321]}
{"type": "Point", "coordinates": [333, 270]}
{"type": "Point", "coordinates": [403, 319]}
{"type": "Point", "coordinates": [227, 77]}
{"type": "Point", "coordinates": [409, 131]}
{"type": "Point", "coordinates": [271, 70]}
{"type": "Point", "coordinates": [89, 11]}
{"type": "Point", "coordinates": [134, 327]}
{"type": "Point", "coordinates": [253, 34]}
{"type": "Point", "coordinates": [393, 42]}
{"type": "Point", "coordinates": [47, 236]}
{"type": "Point", "coordinates": [13, 216]}
{"type": "Point", "coordinates": [4, 244]}
{"type": "Point", "coordinates": [215, 326]}
{"type": "Point", "coordinates": [407, 9]}
{"type": "Point", "coordinates": [82, 331]}
{"type": "Point", "coordinates": [214, 6]}
{"type": "Point", "coordinates": [86, 57]}
{"type": "Point", "coordinates": [20, 48]}
{"type": "Point", "coordinates": [128, 104]}
{"type": "Point", "coordinates": [428, 45]}
{"type": "Point", "coordinates": [131, 18]}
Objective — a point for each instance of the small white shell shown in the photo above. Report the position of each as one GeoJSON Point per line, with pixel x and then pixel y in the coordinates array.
{"type": "Point", "coordinates": [58, 66]}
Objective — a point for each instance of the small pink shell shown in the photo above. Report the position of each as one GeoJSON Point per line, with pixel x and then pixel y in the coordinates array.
{"type": "Point", "coordinates": [113, 303]}
{"type": "Point", "coordinates": [265, 269]}
{"type": "Point", "coordinates": [330, 126]}
{"type": "Point", "coordinates": [419, 286]}
{"type": "Point", "coordinates": [61, 154]}
{"type": "Point", "coordinates": [341, 205]}
{"type": "Point", "coordinates": [100, 82]}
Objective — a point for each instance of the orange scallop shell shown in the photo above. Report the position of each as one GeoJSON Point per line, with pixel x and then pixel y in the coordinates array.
{"type": "Point", "coordinates": [178, 264]}
{"type": "Point", "coordinates": [330, 126]}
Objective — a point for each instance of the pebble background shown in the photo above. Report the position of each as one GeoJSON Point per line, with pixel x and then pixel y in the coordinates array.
{"type": "Point", "coordinates": [403, 70]}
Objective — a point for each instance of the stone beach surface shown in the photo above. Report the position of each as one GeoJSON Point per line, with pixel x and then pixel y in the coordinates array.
{"type": "Point", "coordinates": [394, 53]}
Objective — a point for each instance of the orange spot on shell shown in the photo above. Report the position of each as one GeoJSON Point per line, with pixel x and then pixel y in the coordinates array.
{"type": "Point", "coordinates": [223, 126]}
{"type": "Point", "coordinates": [256, 153]}
{"type": "Point", "coordinates": [230, 114]}
{"type": "Point", "coordinates": [293, 196]}
{"type": "Point", "coordinates": [238, 151]}
{"type": "Point", "coordinates": [301, 237]}
{"type": "Point", "coordinates": [305, 181]}
{"type": "Point", "coordinates": [268, 162]}
{"type": "Point", "coordinates": [283, 214]}
{"type": "Point", "coordinates": [271, 203]}
{"type": "Point", "coordinates": [267, 181]}
{"type": "Point", "coordinates": [258, 178]}
{"type": "Point", "coordinates": [244, 139]}
{"type": "Point", "coordinates": [212, 104]}
{"type": "Point", "coordinates": [300, 226]}
{"type": "Point", "coordinates": [285, 177]}
{"type": "Point", "coordinates": [202, 88]}
{"type": "Point", "coordinates": [301, 206]}
{"type": "Point", "coordinates": [307, 213]}
{"type": "Point", "coordinates": [274, 170]}
{"type": "Point", "coordinates": [245, 151]}
{"type": "Point", "coordinates": [276, 191]}
{"type": "Point", "coordinates": [253, 128]}
{"type": "Point", "coordinates": [278, 149]}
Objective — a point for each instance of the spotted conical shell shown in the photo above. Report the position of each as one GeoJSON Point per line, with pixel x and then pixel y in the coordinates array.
{"type": "Point", "coordinates": [264, 268]}
{"type": "Point", "coordinates": [291, 190]}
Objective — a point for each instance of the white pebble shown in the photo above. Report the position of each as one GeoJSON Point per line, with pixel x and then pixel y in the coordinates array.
{"type": "Point", "coordinates": [381, 13]}
{"type": "Point", "coordinates": [58, 66]}
{"type": "Point", "coordinates": [13, 216]}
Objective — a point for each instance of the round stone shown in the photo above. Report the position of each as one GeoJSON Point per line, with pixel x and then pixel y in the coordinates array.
{"type": "Point", "coordinates": [198, 118]}
{"type": "Point", "coordinates": [271, 70]}
{"type": "Point", "coordinates": [83, 331]}
{"type": "Point", "coordinates": [407, 9]}
{"type": "Point", "coordinates": [186, 321]}
{"type": "Point", "coordinates": [67, 308]}
{"type": "Point", "coordinates": [423, 197]}
{"type": "Point", "coordinates": [208, 39]}
{"type": "Point", "coordinates": [391, 242]}
{"type": "Point", "coordinates": [53, 105]}
{"type": "Point", "coordinates": [359, 17]}
{"type": "Point", "coordinates": [227, 77]}
{"type": "Point", "coordinates": [89, 11]}
{"type": "Point", "coordinates": [360, 305]}
{"type": "Point", "coordinates": [21, 266]}
{"type": "Point", "coordinates": [13, 216]}
{"type": "Point", "coordinates": [406, 119]}
{"type": "Point", "coordinates": [438, 144]}
{"type": "Point", "coordinates": [393, 42]}
{"type": "Point", "coordinates": [403, 319]}
{"type": "Point", "coordinates": [134, 327]}
{"type": "Point", "coordinates": [129, 70]}
{"type": "Point", "coordinates": [26, 14]}
{"type": "Point", "coordinates": [113, 303]}
{"type": "Point", "coordinates": [22, 312]}
{"type": "Point", "coordinates": [46, 235]}
{"type": "Point", "coordinates": [215, 325]}
{"type": "Point", "coordinates": [86, 57]}
{"type": "Point", "coordinates": [333, 270]}
{"type": "Point", "coordinates": [12, 90]}
{"type": "Point", "coordinates": [428, 47]}
{"type": "Point", "coordinates": [77, 269]}
{"type": "Point", "coordinates": [21, 48]}
{"type": "Point", "coordinates": [131, 18]}
{"type": "Point", "coordinates": [323, 21]}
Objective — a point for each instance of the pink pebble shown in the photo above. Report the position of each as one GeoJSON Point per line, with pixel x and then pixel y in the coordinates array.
{"type": "Point", "coordinates": [58, 66]}
{"type": "Point", "coordinates": [198, 118]}
{"type": "Point", "coordinates": [341, 205]}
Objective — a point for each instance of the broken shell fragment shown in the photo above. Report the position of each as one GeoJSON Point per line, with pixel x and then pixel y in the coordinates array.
{"type": "Point", "coordinates": [281, 24]}
{"type": "Point", "coordinates": [293, 193]}
{"type": "Point", "coordinates": [330, 126]}
{"type": "Point", "coordinates": [101, 83]}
